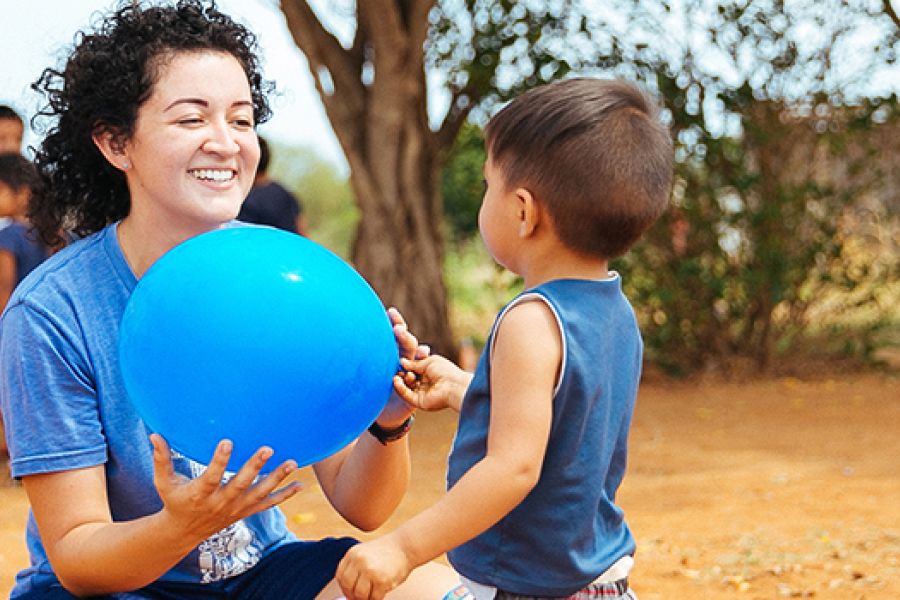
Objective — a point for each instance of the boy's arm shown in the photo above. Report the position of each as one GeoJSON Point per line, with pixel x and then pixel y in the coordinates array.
{"type": "Point", "coordinates": [524, 368]}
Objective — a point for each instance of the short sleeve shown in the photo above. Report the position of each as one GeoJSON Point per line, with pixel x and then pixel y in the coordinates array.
{"type": "Point", "coordinates": [49, 401]}
{"type": "Point", "coordinates": [9, 241]}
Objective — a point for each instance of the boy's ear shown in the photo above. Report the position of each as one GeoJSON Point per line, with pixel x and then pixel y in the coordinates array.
{"type": "Point", "coordinates": [111, 147]}
{"type": "Point", "coordinates": [529, 212]}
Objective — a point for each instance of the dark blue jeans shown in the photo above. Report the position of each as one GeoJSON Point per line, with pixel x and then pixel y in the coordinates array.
{"type": "Point", "coordinates": [296, 571]}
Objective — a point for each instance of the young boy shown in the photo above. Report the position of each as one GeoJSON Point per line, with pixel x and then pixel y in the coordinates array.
{"type": "Point", "coordinates": [575, 172]}
{"type": "Point", "coordinates": [20, 248]}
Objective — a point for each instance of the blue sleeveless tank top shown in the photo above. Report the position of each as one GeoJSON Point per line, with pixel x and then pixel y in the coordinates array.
{"type": "Point", "coordinates": [568, 530]}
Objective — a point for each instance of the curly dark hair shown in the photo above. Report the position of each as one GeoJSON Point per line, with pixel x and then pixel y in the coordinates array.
{"type": "Point", "coordinates": [108, 76]}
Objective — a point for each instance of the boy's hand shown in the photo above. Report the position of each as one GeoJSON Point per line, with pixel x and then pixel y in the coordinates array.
{"type": "Point", "coordinates": [438, 383]}
{"type": "Point", "coordinates": [202, 506]}
{"type": "Point", "coordinates": [372, 569]}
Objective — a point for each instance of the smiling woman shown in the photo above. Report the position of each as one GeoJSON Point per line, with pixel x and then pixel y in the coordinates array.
{"type": "Point", "coordinates": [193, 154]}
{"type": "Point", "coordinates": [154, 143]}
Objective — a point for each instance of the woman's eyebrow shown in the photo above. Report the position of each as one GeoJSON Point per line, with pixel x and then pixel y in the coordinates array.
{"type": "Point", "coordinates": [205, 103]}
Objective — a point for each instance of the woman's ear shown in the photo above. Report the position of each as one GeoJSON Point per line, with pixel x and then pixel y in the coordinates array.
{"type": "Point", "coordinates": [529, 212]}
{"type": "Point", "coordinates": [112, 148]}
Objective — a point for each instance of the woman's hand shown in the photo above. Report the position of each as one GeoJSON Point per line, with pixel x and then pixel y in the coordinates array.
{"type": "Point", "coordinates": [396, 411]}
{"type": "Point", "coordinates": [204, 505]}
{"type": "Point", "coordinates": [436, 384]}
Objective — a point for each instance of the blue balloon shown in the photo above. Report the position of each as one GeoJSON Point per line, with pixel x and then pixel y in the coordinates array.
{"type": "Point", "coordinates": [259, 336]}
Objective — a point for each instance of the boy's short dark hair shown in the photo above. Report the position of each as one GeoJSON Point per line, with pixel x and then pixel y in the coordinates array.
{"type": "Point", "coordinates": [594, 153]}
{"type": "Point", "coordinates": [17, 172]}
{"type": "Point", "coordinates": [7, 112]}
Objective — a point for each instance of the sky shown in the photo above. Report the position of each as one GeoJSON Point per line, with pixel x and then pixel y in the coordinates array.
{"type": "Point", "coordinates": [34, 34]}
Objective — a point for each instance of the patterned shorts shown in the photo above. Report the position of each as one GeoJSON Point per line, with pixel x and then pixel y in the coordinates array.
{"type": "Point", "coordinates": [614, 590]}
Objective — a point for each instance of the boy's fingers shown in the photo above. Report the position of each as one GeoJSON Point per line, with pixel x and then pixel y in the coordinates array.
{"type": "Point", "coordinates": [414, 366]}
{"type": "Point", "coordinates": [400, 388]}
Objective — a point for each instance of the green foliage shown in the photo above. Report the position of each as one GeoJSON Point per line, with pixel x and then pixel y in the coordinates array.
{"type": "Point", "coordinates": [478, 288]}
{"type": "Point", "coordinates": [492, 50]}
{"type": "Point", "coordinates": [777, 148]}
{"type": "Point", "coordinates": [462, 182]}
{"type": "Point", "coordinates": [327, 200]}
{"type": "Point", "coordinates": [783, 229]}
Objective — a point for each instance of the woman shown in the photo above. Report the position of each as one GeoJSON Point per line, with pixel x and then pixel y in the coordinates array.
{"type": "Point", "coordinates": [155, 143]}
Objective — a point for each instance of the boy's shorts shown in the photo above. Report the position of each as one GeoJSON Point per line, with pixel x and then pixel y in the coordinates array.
{"type": "Point", "coordinates": [613, 590]}
{"type": "Point", "coordinates": [295, 571]}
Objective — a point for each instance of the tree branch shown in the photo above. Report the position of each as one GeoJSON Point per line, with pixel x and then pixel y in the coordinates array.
{"type": "Point", "coordinates": [889, 9]}
{"type": "Point", "coordinates": [324, 51]}
{"type": "Point", "coordinates": [445, 135]}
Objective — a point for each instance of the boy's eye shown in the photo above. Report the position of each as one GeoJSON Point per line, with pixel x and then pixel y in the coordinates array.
{"type": "Point", "coordinates": [484, 185]}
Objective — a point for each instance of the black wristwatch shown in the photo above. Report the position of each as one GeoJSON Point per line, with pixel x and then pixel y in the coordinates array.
{"type": "Point", "coordinates": [390, 435]}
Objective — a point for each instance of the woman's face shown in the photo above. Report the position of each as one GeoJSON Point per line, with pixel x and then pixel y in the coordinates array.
{"type": "Point", "coordinates": [194, 151]}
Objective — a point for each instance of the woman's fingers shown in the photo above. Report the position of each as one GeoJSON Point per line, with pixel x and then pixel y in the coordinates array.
{"type": "Point", "coordinates": [211, 479]}
{"type": "Point", "coordinates": [265, 487]}
{"type": "Point", "coordinates": [395, 317]}
{"type": "Point", "coordinates": [249, 471]}
{"type": "Point", "coordinates": [163, 471]}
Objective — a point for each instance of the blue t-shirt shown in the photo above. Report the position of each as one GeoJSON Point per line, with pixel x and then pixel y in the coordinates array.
{"type": "Point", "coordinates": [568, 529]}
{"type": "Point", "coordinates": [271, 204]}
{"type": "Point", "coordinates": [20, 240]}
{"type": "Point", "coordinates": [65, 406]}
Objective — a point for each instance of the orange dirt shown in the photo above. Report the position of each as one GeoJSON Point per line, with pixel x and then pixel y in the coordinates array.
{"type": "Point", "coordinates": [769, 489]}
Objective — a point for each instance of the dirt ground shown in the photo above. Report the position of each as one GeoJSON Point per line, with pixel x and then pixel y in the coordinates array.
{"type": "Point", "coordinates": [769, 489]}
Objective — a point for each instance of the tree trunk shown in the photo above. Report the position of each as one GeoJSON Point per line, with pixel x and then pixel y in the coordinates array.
{"type": "Point", "coordinates": [375, 96]}
{"type": "Point", "coordinates": [399, 243]}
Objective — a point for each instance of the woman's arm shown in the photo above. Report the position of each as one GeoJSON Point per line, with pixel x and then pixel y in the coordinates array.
{"type": "Point", "coordinates": [366, 480]}
{"type": "Point", "coordinates": [91, 554]}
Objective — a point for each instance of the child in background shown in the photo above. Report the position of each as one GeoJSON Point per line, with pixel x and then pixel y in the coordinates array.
{"type": "Point", "coordinates": [21, 250]}
{"type": "Point", "coordinates": [576, 171]}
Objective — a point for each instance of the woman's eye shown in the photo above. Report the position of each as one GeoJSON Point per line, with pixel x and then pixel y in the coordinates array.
{"type": "Point", "coordinates": [190, 121]}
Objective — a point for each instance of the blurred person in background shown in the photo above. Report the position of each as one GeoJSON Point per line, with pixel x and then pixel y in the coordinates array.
{"type": "Point", "coordinates": [268, 202]}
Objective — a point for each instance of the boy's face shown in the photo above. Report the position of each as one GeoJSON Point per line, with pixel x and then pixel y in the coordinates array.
{"type": "Point", "coordinates": [11, 132]}
{"type": "Point", "coordinates": [498, 219]}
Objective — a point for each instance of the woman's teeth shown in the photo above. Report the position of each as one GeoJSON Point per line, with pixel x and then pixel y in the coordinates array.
{"type": "Point", "coordinates": [212, 174]}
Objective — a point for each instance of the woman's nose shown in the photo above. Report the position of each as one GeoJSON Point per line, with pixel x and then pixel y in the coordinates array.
{"type": "Point", "coordinates": [221, 140]}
